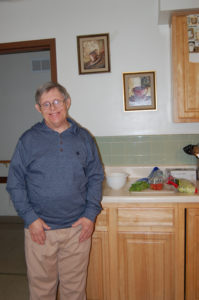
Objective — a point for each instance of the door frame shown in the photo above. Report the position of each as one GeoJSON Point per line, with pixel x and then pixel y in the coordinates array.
{"type": "Point", "coordinates": [33, 46]}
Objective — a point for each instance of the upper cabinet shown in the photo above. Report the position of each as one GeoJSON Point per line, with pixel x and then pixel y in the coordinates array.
{"type": "Point", "coordinates": [185, 69]}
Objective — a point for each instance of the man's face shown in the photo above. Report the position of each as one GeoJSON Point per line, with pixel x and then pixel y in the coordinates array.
{"type": "Point", "coordinates": [54, 116]}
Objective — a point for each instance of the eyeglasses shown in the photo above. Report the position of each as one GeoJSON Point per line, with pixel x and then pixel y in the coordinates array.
{"type": "Point", "coordinates": [56, 103]}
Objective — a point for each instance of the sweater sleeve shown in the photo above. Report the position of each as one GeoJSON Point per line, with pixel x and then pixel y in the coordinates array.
{"type": "Point", "coordinates": [95, 175]}
{"type": "Point", "coordinates": [16, 186]}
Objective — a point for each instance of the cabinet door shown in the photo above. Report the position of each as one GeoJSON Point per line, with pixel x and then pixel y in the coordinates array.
{"type": "Point", "coordinates": [98, 269]}
{"type": "Point", "coordinates": [146, 266]}
{"type": "Point", "coordinates": [192, 254]}
{"type": "Point", "coordinates": [185, 74]}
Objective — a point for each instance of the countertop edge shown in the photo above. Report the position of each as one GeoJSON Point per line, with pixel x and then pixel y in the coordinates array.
{"type": "Point", "coordinates": [149, 199]}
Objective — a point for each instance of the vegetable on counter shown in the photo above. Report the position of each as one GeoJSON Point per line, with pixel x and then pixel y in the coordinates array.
{"type": "Point", "coordinates": [156, 179]}
{"type": "Point", "coordinates": [156, 186]}
{"type": "Point", "coordinates": [153, 181]}
{"type": "Point", "coordinates": [139, 186]}
{"type": "Point", "coordinates": [183, 185]}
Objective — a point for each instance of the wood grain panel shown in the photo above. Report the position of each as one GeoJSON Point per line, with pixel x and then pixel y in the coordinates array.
{"type": "Point", "coordinates": [145, 217]}
{"type": "Point", "coordinates": [192, 254]}
{"type": "Point", "coordinates": [102, 220]}
{"type": "Point", "coordinates": [185, 74]}
{"type": "Point", "coordinates": [146, 266]}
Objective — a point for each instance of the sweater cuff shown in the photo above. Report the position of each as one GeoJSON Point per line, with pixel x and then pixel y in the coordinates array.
{"type": "Point", "coordinates": [91, 214]}
{"type": "Point", "coordinates": [30, 217]}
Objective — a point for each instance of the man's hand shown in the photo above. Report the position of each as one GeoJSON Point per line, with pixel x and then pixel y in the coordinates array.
{"type": "Point", "coordinates": [37, 231]}
{"type": "Point", "coordinates": [87, 228]}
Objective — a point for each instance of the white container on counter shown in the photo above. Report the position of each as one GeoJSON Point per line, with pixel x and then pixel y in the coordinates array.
{"type": "Point", "coordinates": [116, 180]}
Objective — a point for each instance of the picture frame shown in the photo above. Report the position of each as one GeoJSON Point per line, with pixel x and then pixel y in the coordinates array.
{"type": "Point", "coordinates": [139, 91]}
{"type": "Point", "coordinates": [93, 53]}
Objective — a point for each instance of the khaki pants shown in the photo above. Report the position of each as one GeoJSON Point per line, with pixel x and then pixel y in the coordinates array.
{"type": "Point", "coordinates": [61, 259]}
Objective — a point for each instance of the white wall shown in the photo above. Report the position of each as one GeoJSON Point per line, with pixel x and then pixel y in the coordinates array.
{"type": "Point", "coordinates": [178, 4]}
{"type": "Point", "coordinates": [137, 43]}
{"type": "Point", "coordinates": [18, 83]}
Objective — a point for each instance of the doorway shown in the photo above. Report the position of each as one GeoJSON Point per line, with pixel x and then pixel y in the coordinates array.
{"type": "Point", "coordinates": [23, 67]}
{"type": "Point", "coordinates": [17, 112]}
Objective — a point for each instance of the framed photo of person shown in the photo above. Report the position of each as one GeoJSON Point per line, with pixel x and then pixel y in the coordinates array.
{"type": "Point", "coordinates": [93, 53]}
{"type": "Point", "coordinates": [139, 91]}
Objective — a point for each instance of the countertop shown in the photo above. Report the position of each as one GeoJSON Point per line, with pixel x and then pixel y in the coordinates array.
{"type": "Point", "coordinates": [167, 194]}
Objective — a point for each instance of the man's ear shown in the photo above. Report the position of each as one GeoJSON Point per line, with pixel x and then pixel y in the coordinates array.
{"type": "Point", "coordinates": [38, 108]}
{"type": "Point", "coordinates": [68, 103]}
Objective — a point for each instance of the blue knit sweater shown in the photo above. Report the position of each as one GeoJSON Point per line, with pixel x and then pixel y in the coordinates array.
{"type": "Point", "coordinates": [56, 177]}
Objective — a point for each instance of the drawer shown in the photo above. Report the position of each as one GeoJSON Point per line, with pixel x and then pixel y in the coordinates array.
{"type": "Point", "coordinates": [145, 217]}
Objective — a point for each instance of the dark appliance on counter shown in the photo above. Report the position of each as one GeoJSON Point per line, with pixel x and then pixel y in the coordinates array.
{"type": "Point", "coordinates": [193, 150]}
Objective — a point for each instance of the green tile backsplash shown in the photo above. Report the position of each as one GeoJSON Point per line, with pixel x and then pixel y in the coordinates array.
{"type": "Point", "coordinates": [146, 149]}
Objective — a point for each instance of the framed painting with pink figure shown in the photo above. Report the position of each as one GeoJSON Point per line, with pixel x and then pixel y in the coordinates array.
{"type": "Point", "coordinates": [139, 91]}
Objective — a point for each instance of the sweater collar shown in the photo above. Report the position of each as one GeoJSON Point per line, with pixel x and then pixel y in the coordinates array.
{"type": "Point", "coordinates": [73, 129]}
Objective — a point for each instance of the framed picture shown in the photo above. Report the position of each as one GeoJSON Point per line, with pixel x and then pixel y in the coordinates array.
{"type": "Point", "coordinates": [93, 53]}
{"type": "Point", "coordinates": [190, 33]}
{"type": "Point", "coordinates": [139, 91]}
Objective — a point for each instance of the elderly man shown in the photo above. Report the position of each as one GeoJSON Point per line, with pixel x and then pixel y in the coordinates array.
{"type": "Point", "coordinates": [55, 182]}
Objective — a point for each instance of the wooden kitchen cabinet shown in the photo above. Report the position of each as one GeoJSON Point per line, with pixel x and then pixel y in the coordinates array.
{"type": "Point", "coordinates": [192, 254]}
{"type": "Point", "coordinates": [184, 72]}
{"type": "Point", "coordinates": [145, 251]}
{"type": "Point", "coordinates": [133, 253]}
{"type": "Point", "coordinates": [140, 248]}
{"type": "Point", "coordinates": [146, 243]}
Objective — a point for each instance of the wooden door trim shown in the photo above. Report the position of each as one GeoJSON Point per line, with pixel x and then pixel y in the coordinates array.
{"type": "Point", "coordinates": [31, 46]}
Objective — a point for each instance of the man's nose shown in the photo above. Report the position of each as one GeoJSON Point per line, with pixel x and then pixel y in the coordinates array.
{"type": "Point", "coordinates": [52, 106]}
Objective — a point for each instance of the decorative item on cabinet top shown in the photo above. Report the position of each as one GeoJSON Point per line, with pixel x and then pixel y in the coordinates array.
{"type": "Point", "coordinates": [193, 37]}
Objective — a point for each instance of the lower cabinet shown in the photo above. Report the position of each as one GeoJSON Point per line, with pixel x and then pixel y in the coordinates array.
{"type": "Point", "coordinates": [146, 266]}
{"type": "Point", "coordinates": [133, 254]}
{"type": "Point", "coordinates": [192, 253]}
{"type": "Point", "coordinates": [146, 251]}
